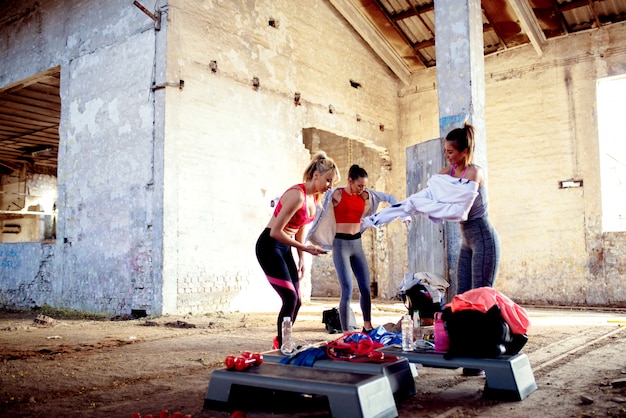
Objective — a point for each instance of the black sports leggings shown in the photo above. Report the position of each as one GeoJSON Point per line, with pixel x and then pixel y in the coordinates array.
{"type": "Point", "coordinates": [278, 264]}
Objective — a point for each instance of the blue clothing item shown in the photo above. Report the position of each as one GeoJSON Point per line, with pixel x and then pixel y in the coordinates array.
{"type": "Point", "coordinates": [480, 255]}
{"type": "Point", "coordinates": [349, 257]}
{"type": "Point", "coordinates": [381, 335]}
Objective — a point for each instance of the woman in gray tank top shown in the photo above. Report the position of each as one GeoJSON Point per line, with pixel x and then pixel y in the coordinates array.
{"type": "Point", "coordinates": [480, 249]}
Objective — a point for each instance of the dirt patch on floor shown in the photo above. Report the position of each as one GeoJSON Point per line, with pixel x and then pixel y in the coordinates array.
{"type": "Point", "coordinates": [97, 368]}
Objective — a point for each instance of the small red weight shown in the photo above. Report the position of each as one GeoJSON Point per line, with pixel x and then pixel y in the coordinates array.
{"type": "Point", "coordinates": [229, 362]}
{"type": "Point", "coordinates": [258, 357]}
{"type": "Point", "coordinates": [242, 363]}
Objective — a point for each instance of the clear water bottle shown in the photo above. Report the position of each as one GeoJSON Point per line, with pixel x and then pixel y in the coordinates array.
{"type": "Point", "coordinates": [407, 333]}
{"type": "Point", "coordinates": [289, 346]}
{"type": "Point", "coordinates": [417, 326]}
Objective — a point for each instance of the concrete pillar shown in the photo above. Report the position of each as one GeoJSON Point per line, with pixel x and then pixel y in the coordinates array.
{"type": "Point", "coordinates": [460, 89]}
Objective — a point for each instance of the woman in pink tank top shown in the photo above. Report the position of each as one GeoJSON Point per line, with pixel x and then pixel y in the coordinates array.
{"type": "Point", "coordinates": [295, 209]}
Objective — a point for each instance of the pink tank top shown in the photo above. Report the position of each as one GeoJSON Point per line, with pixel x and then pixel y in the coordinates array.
{"type": "Point", "coordinates": [300, 218]}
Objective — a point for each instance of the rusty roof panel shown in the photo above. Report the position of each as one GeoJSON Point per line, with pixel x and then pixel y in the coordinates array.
{"type": "Point", "coordinates": [594, 14]}
{"type": "Point", "coordinates": [492, 42]}
{"type": "Point", "coordinates": [413, 22]}
{"type": "Point", "coordinates": [428, 56]}
{"type": "Point", "coordinates": [419, 29]}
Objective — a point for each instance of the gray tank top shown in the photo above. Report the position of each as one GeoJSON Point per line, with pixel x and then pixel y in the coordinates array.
{"type": "Point", "coordinates": [481, 203]}
{"type": "Point", "coordinates": [479, 208]}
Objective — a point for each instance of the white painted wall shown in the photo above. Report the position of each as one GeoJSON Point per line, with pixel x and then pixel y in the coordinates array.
{"type": "Point", "coordinates": [230, 149]}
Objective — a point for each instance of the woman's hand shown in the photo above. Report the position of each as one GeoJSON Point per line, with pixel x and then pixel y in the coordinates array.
{"type": "Point", "coordinates": [314, 250]}
{"type": "Point", "coordinates": [301, 268]}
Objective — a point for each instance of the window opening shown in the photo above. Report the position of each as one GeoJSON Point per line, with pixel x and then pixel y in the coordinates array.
{"type": "Point", "coordinates": [610, 97]}
{"type": "Point", "coordinates": [29, 142]}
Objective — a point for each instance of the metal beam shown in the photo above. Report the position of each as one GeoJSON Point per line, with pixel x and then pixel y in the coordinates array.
{"type": "Point", "coordinates": [528, 21]}
{"type": "Point", "coordinates": [352, 13]}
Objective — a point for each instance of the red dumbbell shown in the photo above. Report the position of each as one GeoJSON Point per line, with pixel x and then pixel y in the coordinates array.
{"type": "Point", "coordinates": [246, 360]}
{"type": "Point", "coordinates": [256, 356]}
{"type": "Point", "coordinates": [242, 363]}
{"type": "Point", "coordinates": [229, 362]}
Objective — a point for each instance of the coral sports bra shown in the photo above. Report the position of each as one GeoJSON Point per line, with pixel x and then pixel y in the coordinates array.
{"type": "Point", "coordinates": [300, 218]}
{"type": "Point", "coordinates": [349, 209]}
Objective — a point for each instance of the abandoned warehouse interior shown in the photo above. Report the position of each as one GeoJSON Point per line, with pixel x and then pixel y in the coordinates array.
{"type": "Point", "coordinates": [370, 93]}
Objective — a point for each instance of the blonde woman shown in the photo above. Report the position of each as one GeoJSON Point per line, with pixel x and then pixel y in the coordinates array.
{"type": "Point", "coordinates": [295, 209]}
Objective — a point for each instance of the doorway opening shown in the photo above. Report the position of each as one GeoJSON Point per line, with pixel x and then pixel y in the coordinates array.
{"type": "Point", "coordinates": [375, 160]}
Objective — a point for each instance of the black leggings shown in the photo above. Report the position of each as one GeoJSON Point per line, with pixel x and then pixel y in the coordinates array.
{"type": "Point", "coordinates": [278, 264]}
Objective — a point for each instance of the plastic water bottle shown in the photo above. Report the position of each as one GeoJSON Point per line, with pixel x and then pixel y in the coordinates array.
{"type": "Point", "coordinates": [417, 326]}
{"type": "Point", "coordinates": [442, 341]}
{"type": "Point", "coordinates": [289, 346]}
{"type": "Point", "coordinates": [407, 333]}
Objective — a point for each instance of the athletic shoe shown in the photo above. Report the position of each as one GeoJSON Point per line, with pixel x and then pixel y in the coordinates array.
{"type": "Point", "coordinates": [473, 372]}
{"type": "Point", "coordinates": [275, 345]}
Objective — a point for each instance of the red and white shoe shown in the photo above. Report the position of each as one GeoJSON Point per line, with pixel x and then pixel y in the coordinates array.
{"type": "Point", "coordinates": [275, 345]}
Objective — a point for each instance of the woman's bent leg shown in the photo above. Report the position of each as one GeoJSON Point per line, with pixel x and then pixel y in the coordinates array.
{"type": "Point", "coordinates": [278, 264]}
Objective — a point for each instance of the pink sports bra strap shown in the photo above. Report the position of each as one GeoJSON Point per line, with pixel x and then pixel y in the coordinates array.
{"type": "Point", "coordinates": [453, 169]}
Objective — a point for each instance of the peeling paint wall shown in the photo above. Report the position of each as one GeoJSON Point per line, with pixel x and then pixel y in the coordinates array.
{"type": "Point", "coordinates": [101, 260]}
{"type": "Point", "coordinates": [27, 272]}
{"type": "Point", "coordinates": [541, 129]}
{"type": "Point", "coordinates": [163, 192]}
{"type": "Point", "coordinates": [231, 148]}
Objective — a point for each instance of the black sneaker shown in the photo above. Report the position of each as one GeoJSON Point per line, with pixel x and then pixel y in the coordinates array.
{"type": "Point", "coordinates": [473, 372]}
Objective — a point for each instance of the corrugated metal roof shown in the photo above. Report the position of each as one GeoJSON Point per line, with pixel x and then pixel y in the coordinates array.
{"type": "Point", "coordinates": [414, 20]}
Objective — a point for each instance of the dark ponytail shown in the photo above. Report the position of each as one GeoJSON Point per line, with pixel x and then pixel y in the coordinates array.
{"type": "Point", "coordinates": [356, 172]}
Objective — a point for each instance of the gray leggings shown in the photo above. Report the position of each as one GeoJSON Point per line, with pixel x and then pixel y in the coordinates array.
{"type": "Point", "coordinates": [349, 257]}
{"type": "Point", "coordinates": [480, 255]}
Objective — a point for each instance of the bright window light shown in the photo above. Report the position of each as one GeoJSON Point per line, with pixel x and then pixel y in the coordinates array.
{"type": "Point", "coordinates": [611, 94]}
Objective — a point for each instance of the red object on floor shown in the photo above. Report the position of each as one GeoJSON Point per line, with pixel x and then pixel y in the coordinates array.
{"type": "Point", "coordinates": [275, 344]}
{"type": "Point", "coordinates": [163, 414]}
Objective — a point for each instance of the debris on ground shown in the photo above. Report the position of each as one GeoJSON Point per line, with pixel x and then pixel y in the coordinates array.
{"type": "Point", "coordinates": [179, 324]}
{"type": "Point", "coordinates": [44, 321]}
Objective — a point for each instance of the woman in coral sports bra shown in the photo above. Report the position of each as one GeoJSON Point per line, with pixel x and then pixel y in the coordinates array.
{"type": "Point", "coordinates": [295, 209]}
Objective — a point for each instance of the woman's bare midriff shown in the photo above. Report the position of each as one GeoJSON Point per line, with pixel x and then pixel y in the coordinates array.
{"type": "Point", "coordinates": [286, 230]}
{"type": "Point", "coordinates": [348, 228]}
